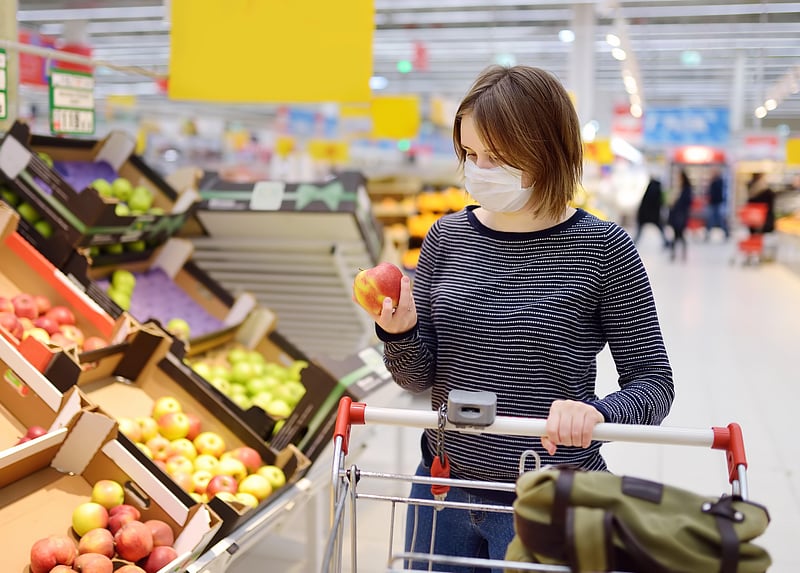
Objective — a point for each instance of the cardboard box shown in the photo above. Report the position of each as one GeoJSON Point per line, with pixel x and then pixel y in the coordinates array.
{"type": "Point", "coordinates": [257, 333]}
{"type": "Point", "coordinates": [169, 285]}
{"type": "Point", "coordinates": [337, 209]}
{"type": "Point", "coordinates": [24, 269]}
{"type": "Point", "coordinates": [311, 424]}
{"type": "Point", "coordinates": [81, 216]}
{"type": "Point", "coordinates": [128, 380]}
{"type": "Point", "coordinates": [42, 481]}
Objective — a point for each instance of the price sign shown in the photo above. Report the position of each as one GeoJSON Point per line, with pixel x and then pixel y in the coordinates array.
{"type": "Point", "coordinates": [3, 83]}
{"type": "Point", "coordinates": [71, 102]}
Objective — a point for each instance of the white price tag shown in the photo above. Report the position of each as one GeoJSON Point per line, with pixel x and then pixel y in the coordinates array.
{"type": "Point", "coordinates": [2, 105]}
{"type": "Point", "coordinates": [73, 121]}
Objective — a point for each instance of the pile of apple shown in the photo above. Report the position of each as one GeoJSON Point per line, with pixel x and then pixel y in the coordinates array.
{"type": "Point", "coordinates": [25, 314]}
{"type": "Point", "coordinates": [110, 533]}
{"type": "Point", "coordinates": [248, 379]}
{"type": "Point", "coordinates": [199, 461]}
{"type": "Point", "coordinates": [27, 212]}
{"type": "Point", "coordinates": [129, 200]}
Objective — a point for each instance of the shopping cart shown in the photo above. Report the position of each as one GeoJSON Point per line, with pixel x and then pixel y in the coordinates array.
{"type": "Point", "coordinates": [752, 216]}
{"type": "Point", "coordinates": [346, 480]}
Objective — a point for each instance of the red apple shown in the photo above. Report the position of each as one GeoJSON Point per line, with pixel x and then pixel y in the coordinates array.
{"type": "Point", "coordinates": [42, 303]}
{"type": "Point", "coordinates": [195, 425]}
{"type": "Point", "coordinates": [125, 508]}
{"type": "Point", "coordinates": [134, 541]}
{"type": "Point", "coordinates": [108, 493]}
{"type": "Point", "coordinates": [130, 569]}
{"type": "Point", "coordinates": [121, 515]}
{"type": "Point", "coordinates": [210, 443]}
{"type": "Point", "coordinates": [62, 315]}
{"type": "Point", "coordinates": [35, 431]}
{"type": "Point", "coordinates": [372, 286]}
{"type": "Point", "coordinates": [220, 483]}
{"type": "Point", "coordinates": [159, 558]}
{"type": "Point", "coordinates": [162, 532]}
{"type": "Point", "coordinates": [6, 305]}
{"type": "Point", "coordinates": [60, 340]}
{"type": "Point", "coordinates": [248, 456]}
{"type": "Point", "coordinates": [73, 333]}
{"type": "Point", "coordinates": [25, 306]}
{"type": "Point", "coordinates": [50, 551]}
{"type": "Point", "coordinates": [62, 569]}
{"type": "Point", "coordinates": [184, 480]}
{"type": "Point", "coordinates": [93, 343]}
{"type": "Point", "coordinates": [47, 323]}
{"type": "Point", "coordinates": [88, 516]}
{"type": "Point", "coordinates": [159, 447]}
{"type": "Point", "coordinates": [99, 540]}
{"type": "Point", "coordinates": [11, 323]}
{"type": "Point", "coordinates": [94, 563]}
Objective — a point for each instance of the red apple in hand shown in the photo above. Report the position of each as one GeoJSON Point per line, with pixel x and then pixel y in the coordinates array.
{"type": "Point", "coordinates": [51, 551]}
{"type": "Point", "coordinates": [372, 286]}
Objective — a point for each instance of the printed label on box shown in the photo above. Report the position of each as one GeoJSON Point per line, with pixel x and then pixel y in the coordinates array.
{"type": "Point", "coordinates": [267, 196]}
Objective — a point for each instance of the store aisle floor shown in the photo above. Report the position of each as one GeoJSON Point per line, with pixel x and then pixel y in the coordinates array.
{"type": "Point", "coordinates": [732, 333]}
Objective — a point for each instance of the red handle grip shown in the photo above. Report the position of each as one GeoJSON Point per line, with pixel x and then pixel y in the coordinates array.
{"type": "Point", "coordinates": [731, 440]}
{"type": "Point", "coordinates": [349, 413]}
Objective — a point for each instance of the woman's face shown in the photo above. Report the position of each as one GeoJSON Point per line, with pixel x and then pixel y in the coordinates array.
{"type": "Point", "coordinates": [477, 152]}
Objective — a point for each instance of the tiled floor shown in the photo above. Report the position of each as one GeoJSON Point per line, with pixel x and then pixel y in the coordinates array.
{"type": "Point", "coordinates": [733, 334]}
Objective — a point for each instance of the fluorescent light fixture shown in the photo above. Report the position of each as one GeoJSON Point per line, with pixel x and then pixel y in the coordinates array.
{"type": "Point", "coordinates": [636, 110]}
{"type": "Point", "coordinates": [761, 112]}
{"type": "Point", "coordinates": [625, 150]}
{"type": "Point", "coordinates": [566, 36]}
{"type": "Point", "coordinates": [612, 40]}
{"type": "Point", "coordinates": [619, 54]}
{"type": "Point", "coordinates": [770, 104]}
{"type": "Point", "coordinates": [378, 83]}
{"type": "Point", "coordinates": [589, 131]}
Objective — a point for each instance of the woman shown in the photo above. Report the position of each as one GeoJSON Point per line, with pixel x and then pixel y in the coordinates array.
{"type": "Point", "coordinates": [517, 296]}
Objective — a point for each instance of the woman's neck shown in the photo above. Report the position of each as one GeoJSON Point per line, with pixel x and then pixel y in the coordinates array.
{"type": "Point", "coordinates": [520, 221]}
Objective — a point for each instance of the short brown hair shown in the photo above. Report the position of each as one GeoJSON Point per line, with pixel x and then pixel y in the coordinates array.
{"type": "Point", "coordinates": [526, 119]}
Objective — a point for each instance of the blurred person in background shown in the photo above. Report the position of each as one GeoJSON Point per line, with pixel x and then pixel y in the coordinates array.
{"type": "Point", "coordinates": [716, 204]}
{"type": "Point", "coordinates": [650, 210]}
{"type": "Point", "coordinates": [679, 215]}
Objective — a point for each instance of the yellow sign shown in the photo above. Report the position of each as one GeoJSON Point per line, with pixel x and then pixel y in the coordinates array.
{"type": "Point", "coordinates": [793, 151]}
{"type": "Point", "coordinates": [271, 51]}
{"type": "Point", "coordinates": [327, 150]}
{"type": "Point", "coordinates": [284, 145]}
{"type": "Point", "coordinates": [395, 117]}
{"type": "Point", "coordinates": [599, 151]}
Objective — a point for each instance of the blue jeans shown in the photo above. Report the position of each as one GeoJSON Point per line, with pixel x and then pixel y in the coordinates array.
{"type": "Point", "coordinates": [459, 532]}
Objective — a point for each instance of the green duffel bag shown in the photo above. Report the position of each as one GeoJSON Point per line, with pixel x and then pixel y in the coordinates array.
{"type": "Point", "coordinates": [598, 521]}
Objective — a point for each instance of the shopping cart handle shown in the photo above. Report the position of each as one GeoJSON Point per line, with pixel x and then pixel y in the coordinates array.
{"type": "Point", "coordinates": [727, 438]}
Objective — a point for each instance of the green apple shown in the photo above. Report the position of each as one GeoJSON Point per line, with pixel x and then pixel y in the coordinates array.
{"type": "Point", "coordinates": [122, 210]}
{"type": "Point", "coordinates": [262, 400]}
{"type": "Point", "coordinates": [278, 409]}
{"type": "Point", "coordinates": [44, 228]}
{"type": "Point", "coordinates": [291, 391]}
{"type": "Point", "coordinates": [203, 369]}
{"type": "Point", "coordinates": [46, 158]}
{"type": "Point", "coordinates": [220, 371]}
{"type": "Point", "coordinates": [116, 249]}
{"type": "Point", "coordinates": [221, 384]}
{"type": "Point", "coordinates": [236, 355]}
{"type": "Point", "coordinates": [178, 327]}
{"type": "Point", "coordinates": [141, 199]}
{"type": "Point", "coordinates": [241, 400]}
{"type": "Point", "coordinates": [103, 187]}
{"type": "Point", "coordinates": [123, 280]}
{"type": "Point", "coordinates": [121, 299]}
{"type": "Point", "coordinates": [241, 372]}
{"type": "Point", "coordinates": [9, 197]}
{"type": "Point", "coordinates": [261, 384]}
{"type": "Point", "coordinates": [274, 475]}
{"type": "Point", "coordinates": [136, 246]}
{"type": "Point", "coordinates": [158, 211]}
{"type": "Point", "coordinates": [28, 212]}
{"type": "Point", "coordinates": [122, 188]}
{"type": "Point", "coordinates": [295, 369]}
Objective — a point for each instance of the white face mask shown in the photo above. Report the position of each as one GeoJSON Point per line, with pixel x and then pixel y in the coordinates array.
{"type": "Point", "coordinates": [497, 189]}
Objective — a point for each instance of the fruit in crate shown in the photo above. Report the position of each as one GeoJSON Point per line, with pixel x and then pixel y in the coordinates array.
{"type": "Point", "coordinates": [51, 551]}
{"type": "Point", "coordinates": [88, 516]}
{"type": "Point", "coordinates": [248, 379]}
{"type": "Point", "coordinates": [134, 541]}
{"type": "Point", "coordinates": [372, 286]}
{"type": "Point", "coordinates": [121, 188]}
{"type": "Point", "coordinates": [93, 563]}
{"type": "Point", "coordinates": [108, 493]}
{"type": "Point", "coordinates": [179, 328]}
{"type": "Point", "coordinates": [98, 541]}
{"type": "Point", "coordinates": [32, 433]}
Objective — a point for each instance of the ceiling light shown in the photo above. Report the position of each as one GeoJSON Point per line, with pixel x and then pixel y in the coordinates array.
{"type": "Point", "coordinates": [612, 40]}
{"type": "Point", "coordinates": [770, 104]}
{"type": "Point", "coordinates": [506, 60]}
{"type": "Point", "coordinates": [761, 112]}
{"type": "Point", "coordinates": [619, 54]}
{"type": "Point", "coordinates": [636, 110]}
{"type": "Point", "coordinates": [691, 58]}
{"type": "Point", "coordinates": [589, 131]}
{"type": "Point", "coordinates": [378, 83]}
{"type": "Point", "coordinates": [566, 36]}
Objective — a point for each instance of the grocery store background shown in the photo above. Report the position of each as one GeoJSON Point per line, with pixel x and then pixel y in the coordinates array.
{"type": "Point", "coordinates": [253, 92]}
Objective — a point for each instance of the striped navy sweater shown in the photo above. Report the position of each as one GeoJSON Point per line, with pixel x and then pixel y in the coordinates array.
{"type": "Point", "coordinates": [524, 315]}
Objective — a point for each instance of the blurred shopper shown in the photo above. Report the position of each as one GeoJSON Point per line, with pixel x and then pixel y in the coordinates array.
{"type": "Point", "coordinates": [517, 296]}
{"type": "Point", "coordinates": [716, 204]}
{"type": "Point", "coordinates": [759, 191]}
{"type": "Point", "coordinates": [650, 210]}
{"type": "Point", "coordinates": [679, 216]}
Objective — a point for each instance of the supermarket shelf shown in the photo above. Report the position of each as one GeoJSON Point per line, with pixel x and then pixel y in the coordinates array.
{"type": "Point", "coordinates": [306, 283]}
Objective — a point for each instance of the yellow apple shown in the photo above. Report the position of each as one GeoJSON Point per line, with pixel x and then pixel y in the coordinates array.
{"type": "Point", "coordinates": [210, 443]}
{"type": "Point", "coordinates": [274, 475]}
{"type": "Point", "coordinates": [231, 467]}
{"type": "Point", "coordinates": [165, 405]}
{"type": "Point", "coordinates": [257, 486]}
{"type": "Point", "coordinates": [206, 462]}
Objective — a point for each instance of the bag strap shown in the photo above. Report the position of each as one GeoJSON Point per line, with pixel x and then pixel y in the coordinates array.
{"type": "Point", "coordinates": [724, 515]}
{"type": "Point", "coordinates": [589, 540]}
{"type": "Point", "coordinates": [561, 495]}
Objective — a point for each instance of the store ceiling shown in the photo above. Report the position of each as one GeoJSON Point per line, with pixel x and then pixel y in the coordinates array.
{"type": "Point", "coordinates": [463, 36]}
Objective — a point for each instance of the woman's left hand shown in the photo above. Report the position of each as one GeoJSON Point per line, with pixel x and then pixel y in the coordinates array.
{"type": "Point", "coordinates": [570, 423]}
